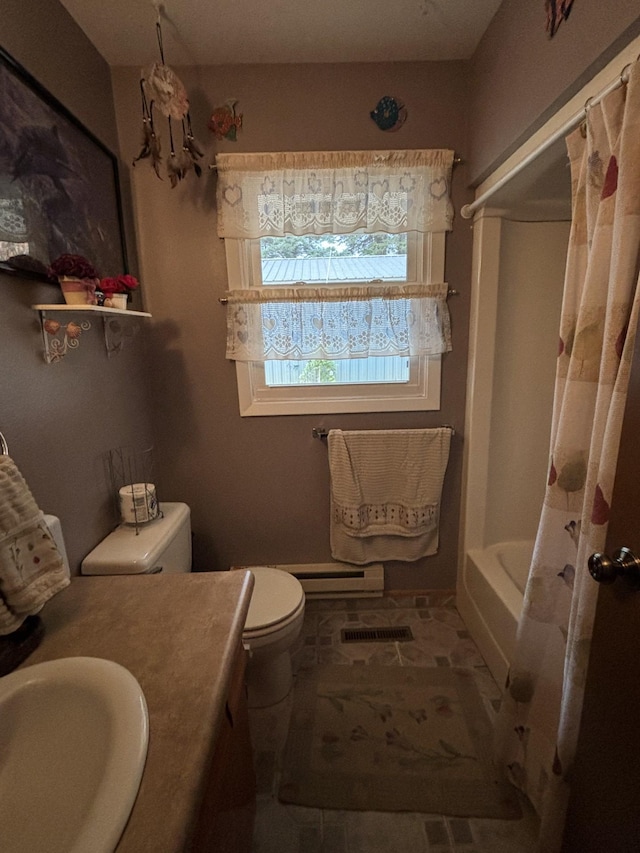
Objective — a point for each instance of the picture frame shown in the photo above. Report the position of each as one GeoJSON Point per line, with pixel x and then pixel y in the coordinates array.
{"type": "Point", "coordinates": [59, 184]}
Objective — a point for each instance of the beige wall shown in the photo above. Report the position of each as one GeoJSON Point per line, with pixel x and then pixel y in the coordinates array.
{"type": "Point", "coordinates": [259, 487]}
{"type": "Point", "coordinates": [61, 419]}
{"type": "Point", "coordinates": [520, 77]}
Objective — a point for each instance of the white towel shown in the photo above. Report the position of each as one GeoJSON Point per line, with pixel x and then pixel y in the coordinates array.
{"type": "Point", "coordinates": [31, 568]}
{"type": "Point", "coordinates": [385, 493]}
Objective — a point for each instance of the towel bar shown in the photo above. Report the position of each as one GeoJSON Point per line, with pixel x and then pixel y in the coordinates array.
{"type": "Point", "coordinates": [4, 447]}
{"type": "Point", "coordinates": [322, 432]}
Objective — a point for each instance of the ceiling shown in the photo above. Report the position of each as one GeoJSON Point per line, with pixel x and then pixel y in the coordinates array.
{"type": "Point", "coordinates": [216, 32]}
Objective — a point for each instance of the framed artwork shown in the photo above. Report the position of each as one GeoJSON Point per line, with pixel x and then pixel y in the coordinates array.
{"type": "Point", "coordinates": [59, 188]}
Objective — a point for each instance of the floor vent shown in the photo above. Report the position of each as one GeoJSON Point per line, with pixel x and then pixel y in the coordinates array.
{"type": "Point", "coordinates": [401, 634]}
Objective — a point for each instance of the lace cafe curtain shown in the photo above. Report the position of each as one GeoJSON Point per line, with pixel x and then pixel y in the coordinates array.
{"type": "Point", "coordinates": [273, 195]}
{"type": "Point", "coordinates": [334, 323]}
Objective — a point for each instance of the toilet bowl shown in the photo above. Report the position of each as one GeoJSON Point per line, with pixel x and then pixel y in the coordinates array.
{"type": "Point", "coordinates": [276, 609]}
{"type": "Point", "coordinates": [272, 626]}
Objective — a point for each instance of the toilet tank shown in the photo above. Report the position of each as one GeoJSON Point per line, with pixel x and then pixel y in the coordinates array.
{"type": "Point", "coordinates": [162, 545]}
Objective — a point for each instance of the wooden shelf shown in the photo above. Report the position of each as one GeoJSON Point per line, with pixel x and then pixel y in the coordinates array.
{"type": "Point", "coordinates": [100, 309]}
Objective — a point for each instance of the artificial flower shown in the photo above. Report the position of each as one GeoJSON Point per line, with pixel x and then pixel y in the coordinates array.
{"type": "Point", "coordinates": [73, 266]}
{"type": "Point", "coordinates": [118, 284]}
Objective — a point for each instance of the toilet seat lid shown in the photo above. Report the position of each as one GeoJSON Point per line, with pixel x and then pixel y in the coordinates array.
{"type": "Point", "coordinates": [276, 595]}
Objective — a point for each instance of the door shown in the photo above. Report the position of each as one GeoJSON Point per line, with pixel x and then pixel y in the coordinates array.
{"type": "Point", "coordinates": [604, 809]}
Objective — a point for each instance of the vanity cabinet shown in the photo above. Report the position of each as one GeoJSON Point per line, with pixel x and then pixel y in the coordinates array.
{"type": "Point", "coordinates": [180, 635]}
{"type": "Point", "coordinates": [227, 813]}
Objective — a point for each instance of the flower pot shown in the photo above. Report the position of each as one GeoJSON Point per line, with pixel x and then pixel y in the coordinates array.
{"type": "Point", "coordinates": [78, 291]}
{"type": "Point", "coordinates": [116, 300]}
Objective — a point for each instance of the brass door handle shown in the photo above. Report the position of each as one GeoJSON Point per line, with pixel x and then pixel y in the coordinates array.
{"type": "Point", "coordinates": [623, 564]}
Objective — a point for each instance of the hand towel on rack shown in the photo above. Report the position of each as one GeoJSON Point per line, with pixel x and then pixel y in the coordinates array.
{"type": "Point", "coordinates": [31, 568]}
{"type": "Point", "coordinates": [385, 493]}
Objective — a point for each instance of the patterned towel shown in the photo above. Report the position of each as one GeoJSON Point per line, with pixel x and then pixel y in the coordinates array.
{"type": "Point", "coordinates": [31, 568]}
{"type": "Point", "coordinates": [385, 493]}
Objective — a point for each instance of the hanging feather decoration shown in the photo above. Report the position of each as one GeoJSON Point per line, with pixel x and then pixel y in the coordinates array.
{"type": "Point", "coordinates": [150, 142]}
{"type": "Point", "coordinates": [190, 146]}
{"type": "Point", "coordinates": [163, 90]}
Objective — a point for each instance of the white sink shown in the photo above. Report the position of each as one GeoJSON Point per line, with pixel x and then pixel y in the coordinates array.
{"type": "Point", "coordinates": [73, 743]}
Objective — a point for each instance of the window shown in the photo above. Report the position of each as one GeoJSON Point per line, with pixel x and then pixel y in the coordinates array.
{"type": "Point", "coordinates": [342, 276]}
{"type": "Point", "coordinates": [334, 259]}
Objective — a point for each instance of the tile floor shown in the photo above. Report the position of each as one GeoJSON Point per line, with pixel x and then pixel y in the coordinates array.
{"type": "Point", "coordinates": [440, 639]}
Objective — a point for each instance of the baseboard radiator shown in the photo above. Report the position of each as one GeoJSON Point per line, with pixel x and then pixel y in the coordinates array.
{"type": "Point", "coordinates": [337, 580]}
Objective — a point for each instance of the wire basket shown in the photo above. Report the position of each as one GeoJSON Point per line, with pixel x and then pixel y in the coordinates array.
{"type": "Point", "coordinates": [135, 498]}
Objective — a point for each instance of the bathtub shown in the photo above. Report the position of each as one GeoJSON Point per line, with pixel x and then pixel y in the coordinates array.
{"type": "Point", "coordinates": [489, 598]}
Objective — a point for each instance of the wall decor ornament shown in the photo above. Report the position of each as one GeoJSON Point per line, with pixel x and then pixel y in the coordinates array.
{"type": "Point", "coordinates": [389, 114]}
{"type": "Point", "coordinates": [557, 12]}
{"type": "Point", "coordinates": [59, 189]}
{"type": "Point", "coordinates": [62, 338]}
{"type": "Point", "coordinates": [225, 122]}
{"type": "Point", "coordinates": [161, 89]}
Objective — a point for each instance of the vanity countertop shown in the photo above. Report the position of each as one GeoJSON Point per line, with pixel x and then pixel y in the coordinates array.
{"type": "Point", "coordinates": [178, 634]}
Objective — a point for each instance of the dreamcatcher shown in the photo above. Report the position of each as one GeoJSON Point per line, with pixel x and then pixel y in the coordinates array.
{"type": "Point", "coordinates": [162, 90]}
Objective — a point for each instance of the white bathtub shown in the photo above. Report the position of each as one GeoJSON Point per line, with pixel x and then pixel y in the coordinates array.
{"type": "Point", "coordinates": [489, 599]}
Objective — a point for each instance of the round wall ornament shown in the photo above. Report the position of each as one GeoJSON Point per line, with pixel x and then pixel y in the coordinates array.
{"type": "Point", "coordinates": [389, 114]}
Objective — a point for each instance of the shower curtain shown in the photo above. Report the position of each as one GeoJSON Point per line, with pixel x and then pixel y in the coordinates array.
{"type": "Point", "coordinates": [540, 717]}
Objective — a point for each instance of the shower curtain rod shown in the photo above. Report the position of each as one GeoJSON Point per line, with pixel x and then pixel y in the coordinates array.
{"type": "Point", "coordinates": [468, 210]}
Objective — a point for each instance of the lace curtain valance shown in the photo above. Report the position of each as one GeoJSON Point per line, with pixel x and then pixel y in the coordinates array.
{"type": "Point", "coordinates": [337, 323]}
{"type": "Point", "coordinates": [270, 195]}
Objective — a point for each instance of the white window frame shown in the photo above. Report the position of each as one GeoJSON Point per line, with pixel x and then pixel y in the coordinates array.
{"type": "Point", "coordinates": [425, 264]}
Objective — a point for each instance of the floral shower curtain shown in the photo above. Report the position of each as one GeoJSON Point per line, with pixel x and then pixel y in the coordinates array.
{"type": "Point", "coordinates": [540, 718]}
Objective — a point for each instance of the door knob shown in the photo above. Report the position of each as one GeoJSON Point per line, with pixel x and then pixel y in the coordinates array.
{"type": "Point", "coordinates": [623, 564]}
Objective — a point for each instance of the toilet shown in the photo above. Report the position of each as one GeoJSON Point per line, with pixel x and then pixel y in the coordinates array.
{"type": "Point", "coordinates": [272, 626]}
{"type": "Point", "coordinates": [276, 610]}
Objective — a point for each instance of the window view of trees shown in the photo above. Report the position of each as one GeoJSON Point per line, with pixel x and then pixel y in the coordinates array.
{"type": "Point", "coordinates": [348, 245]}
{"type": "Point", "coordinates": [318, 371]}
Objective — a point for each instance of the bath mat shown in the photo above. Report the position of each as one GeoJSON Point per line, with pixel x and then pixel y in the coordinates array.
{"type": "Point", "coordinates": [384, 738]}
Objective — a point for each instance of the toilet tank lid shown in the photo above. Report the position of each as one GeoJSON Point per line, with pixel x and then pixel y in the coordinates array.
{"type": "Point", "coordinates": [276, 595]}
{"type": "Point", "coordinates": [125, 553]}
